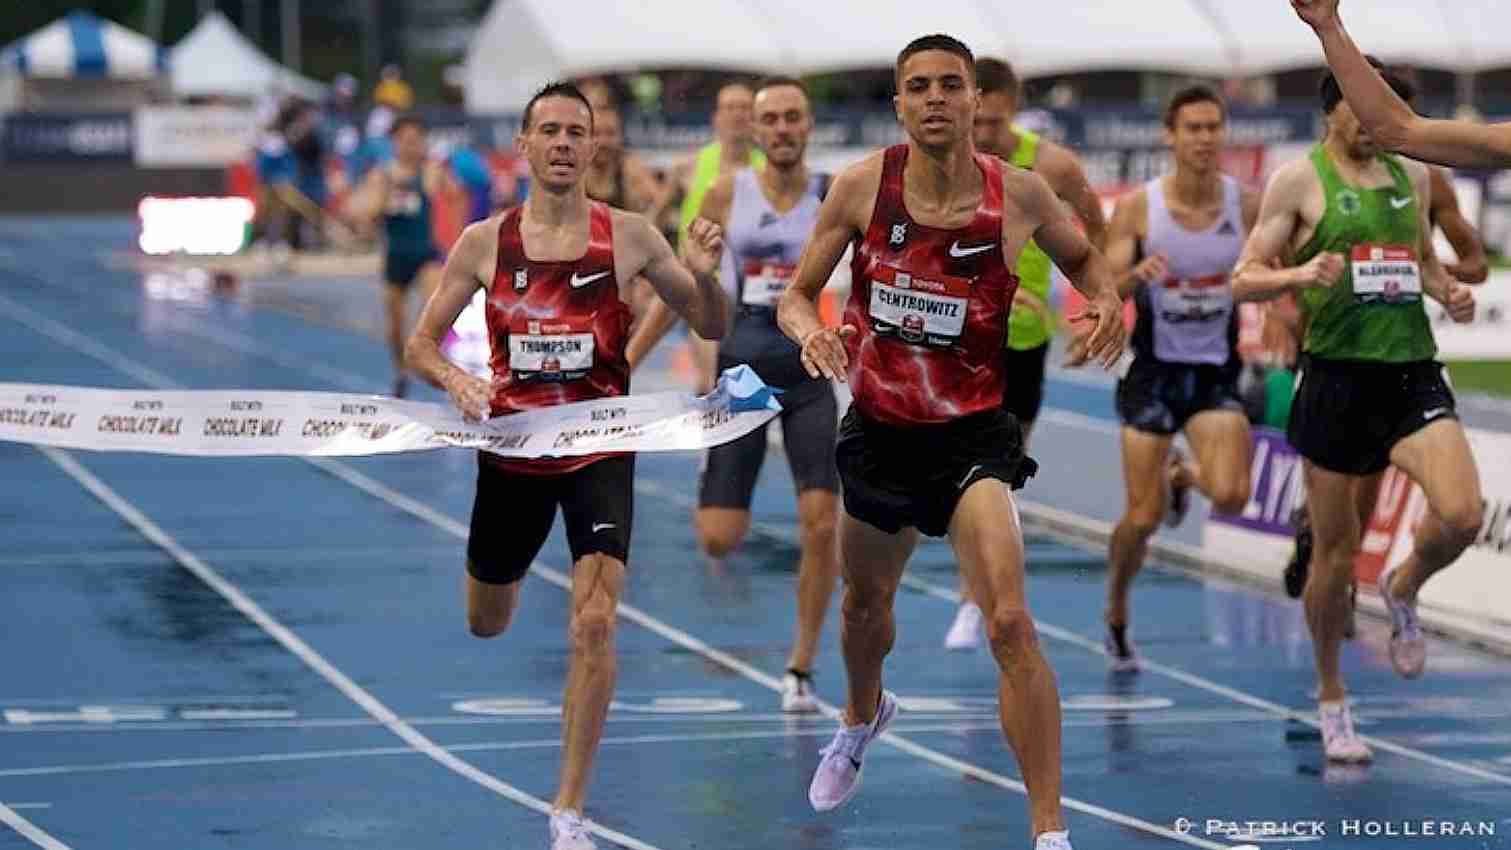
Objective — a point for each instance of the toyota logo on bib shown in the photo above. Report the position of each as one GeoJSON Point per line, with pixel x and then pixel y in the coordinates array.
{"type": "Point", "coordinates": [912, 327]}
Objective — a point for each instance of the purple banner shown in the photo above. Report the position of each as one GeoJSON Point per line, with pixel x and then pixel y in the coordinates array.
{"type": "Point", "coordinates": [1279, 486]}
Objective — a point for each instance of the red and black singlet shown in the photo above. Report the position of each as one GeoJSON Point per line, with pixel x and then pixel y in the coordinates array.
{"type": "Point", "coordinates": [931, 306]}
{"type": "Point", "coordinates": [558, 330]}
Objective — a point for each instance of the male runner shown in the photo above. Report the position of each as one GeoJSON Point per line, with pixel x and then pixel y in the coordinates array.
{"type": "Point", "coordinates": [926, 446]}
{"type": "Point", "coordinates": [557, 271]}
{"type": "Point", "coordinates": [1385, 114]}
{"type": "Point", "coordinates": [1172, 245]}
{"type": "Point", "coordinates": [617, 177]}
{"type": "Point", "coordinates": [1031, 325]}
{"type": "Point", "coordinates": [767, 216]}
{"type": "Point", "coordinates": [1353, 222]}
{"type": "Point", "coordinates": [732, 149]}
{"type": "Point", "coordinates": [401, 193]}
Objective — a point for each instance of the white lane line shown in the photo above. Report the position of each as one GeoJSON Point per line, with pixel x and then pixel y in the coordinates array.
{"type": "Point", "coordinates": [20, 806]}
{"type": "Point", "coordinates": [30, 831]}
{"type": "Point", "coordinates": [1066, 635]}
{"type": "Point", "coordinates": [294, 644]}
{"type": "Point", "coordinates": [688, 641]}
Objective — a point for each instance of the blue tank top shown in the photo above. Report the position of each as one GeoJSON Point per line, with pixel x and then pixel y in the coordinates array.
{"type": "Point", "coordinates": [406, 218]}
{"type": "Point", "coordinates": [761, 250]}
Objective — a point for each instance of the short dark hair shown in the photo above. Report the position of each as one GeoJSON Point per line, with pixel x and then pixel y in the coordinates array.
{"type": "Point", "coordinates": [1189, 95]}
{"type": "Point", "coordinates": [742, 82]}
{"type": "Point", "coordinates": [1332, 94]}
{"type": "Point", "coordinates": [409, 120]}
{"type": "Point", "coordinates": [557, 89]}
{"type": "Point", "coordinates": [775, 81]}
{"type": "Point", "coordinates": [996, 76]}
{"type": "Point", "coordinates": [937, 41]}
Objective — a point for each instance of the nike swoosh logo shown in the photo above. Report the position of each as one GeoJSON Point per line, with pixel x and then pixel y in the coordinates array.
{"type": "Point", "coordinates": [1399, 203]}
{"type": "Point", "coordinates": [602, 526]}
{"type": "Point", "coordinates": [1434, 413]}
{"type": "Point", "coordinates": [580, 282]}
{"type": "Point", "coordinates": [957, 251]}
{"type": "Point", "coordinates": [967, 476]}
{"type": "Point", "coordinates": [855, 763]}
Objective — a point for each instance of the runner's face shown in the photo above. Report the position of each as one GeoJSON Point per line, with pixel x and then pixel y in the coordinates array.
{"type": "Point", "coordinates": [409, 144]}
{"type": "Point", "coordinates": [1197, 136]}
{"type": "Point", "coordinates": [1345, 127]}
{"type": "Point", "coordinates": [559, 143]}
{"type": "Point", "coordinates": [608, 135]}
{"type": "Point", "coordinates": [732, 115]}
{"type": "Point", "coordinates": [994, 123]}
{"type": "Point", "coordinates": [936, 99]}
{"type": "Point", "coordinates": [782, 124]}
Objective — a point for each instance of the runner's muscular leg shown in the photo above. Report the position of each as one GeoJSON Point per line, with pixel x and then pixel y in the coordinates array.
{"type": "Point", "coordinates": [988, 541]}
{"type": "Point", "coordinates": [1439, 460]}
{"type": "Point", "coordinates": [1223, 447]}
{"type": "Point", "coordinates": [818, 570]}
{"type": "Point", "coordinates": [597, 582]}
{"type": "Point", "coordinates": [1145, 458]}
{"type": "Point", "coordinates": [1331, 502]}
{"type": "Point", "coordinates": [871, 562]}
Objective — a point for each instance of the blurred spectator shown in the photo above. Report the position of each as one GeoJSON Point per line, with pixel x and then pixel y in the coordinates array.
{"type": "Point", "coordinates": [392, 91]}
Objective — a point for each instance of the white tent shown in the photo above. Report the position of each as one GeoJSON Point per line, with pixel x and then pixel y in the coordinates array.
{"type": "Point", "coordinates": [523, 43]}
{"type": "Point", "coordinates": [216, 59]}
{"type": "Point", "coordinates": [82, 45]}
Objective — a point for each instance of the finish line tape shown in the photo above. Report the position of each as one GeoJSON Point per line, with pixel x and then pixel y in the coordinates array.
{"type": "Point", "coordinates": [226, 423]}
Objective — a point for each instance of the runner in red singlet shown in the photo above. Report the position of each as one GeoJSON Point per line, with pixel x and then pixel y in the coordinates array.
{"type": "Point", "coordinates": [558, 273]}
{"type": "Point", "coordinates": [926, 446]}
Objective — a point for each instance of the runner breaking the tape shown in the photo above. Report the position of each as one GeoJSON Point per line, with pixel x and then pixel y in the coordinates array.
{"type": "Point", "coordinates": [557, 271]}
{"type": "Point", "coordinates": [926, 446]}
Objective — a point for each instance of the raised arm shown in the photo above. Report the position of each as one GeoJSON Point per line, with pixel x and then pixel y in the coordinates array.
{"type": "Point", "coordinates": [459, 281]}
{"type": "Point", "coordinates": [1259, 275]}
{"type": "Point", "coordinates": [1068, 180]}
{"type": "Point", "coordinates": [1082, 263]}
{"type": "Point", "coordinates": [689, 286]}
{"type": "Point", "coordinates": [1473, 266]}
{"type": "Point", "coordinates": [823, 349]}
{"type": "Point", "coordinates": [1389, 119]}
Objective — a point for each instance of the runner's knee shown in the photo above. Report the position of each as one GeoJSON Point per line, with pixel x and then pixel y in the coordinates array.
{"type": "Point", "coordinates": [1462, 522]}
{"type": "Point", "coordinates": [719, 537]}
{"type": "Point", "coordinates": [1010, 630]}
{"type": "Point", "coordinates": [1230, 495]}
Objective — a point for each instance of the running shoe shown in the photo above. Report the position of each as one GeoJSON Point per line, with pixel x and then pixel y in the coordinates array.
{"type": "Point", "coordinates": [1180, 496]}
{"type": "Point", "coordinates": [1301, 561]}
{"type": "Point", "coordinates": [569, 831]}
{"type": "Point", "coordinates": [1408, 646]}
{"type": "Point", "coordinates": [965, 632]}
{"type": "Point", "coordinates": [839, 768]}
{"type": "Point", "coordinates": [1339, 740]}
{"type": "Point", "coordinates": [797, 693]}
{"type": "Point", "coordinates": [400, 386]}
{"type": "Point", "coordinates": [1120, 650]}
{"type": "Point", "coordinates": [1059, 840]}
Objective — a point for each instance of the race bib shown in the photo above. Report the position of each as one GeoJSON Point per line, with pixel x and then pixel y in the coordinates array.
{"type": "Point", "coordinates": [404, 203]}
{"type": "Point", "coordinates": [1200, 300]}
{"type": "Point", "coordinates": [551, 351]}
{"type": "Point", "coordinates": [1386, 273]}
{"type": "Point", "coordinates": [919, 310]}
{"type": "Point", "coordinates": [765, 283]}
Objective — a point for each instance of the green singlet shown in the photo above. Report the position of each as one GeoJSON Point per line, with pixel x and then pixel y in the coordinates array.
{"type": "Point", "coordinates": [1029, 328]}
{"type": "Point", "coordinates": [1343, 325]}
{"type": "Point", "coordinates": [705, 173]}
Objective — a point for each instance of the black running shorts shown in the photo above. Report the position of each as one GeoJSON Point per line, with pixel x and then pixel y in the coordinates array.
{"type": "Point", "coordinates": [1160, 398]}
{"type": "Point", "coordinates": [900, 477]}
{"type": "Point", "coordinates": [513, 513]}
{"type": "Point", "coordinates": [809, 417]}
{"type": "Point", "coordinates": [1349, 414]}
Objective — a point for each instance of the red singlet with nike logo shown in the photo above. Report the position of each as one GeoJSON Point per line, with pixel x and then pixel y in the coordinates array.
{"type": "Point", "coordinates": [931, 306]}
{"type": "Point", "coordinates": [558, 330]}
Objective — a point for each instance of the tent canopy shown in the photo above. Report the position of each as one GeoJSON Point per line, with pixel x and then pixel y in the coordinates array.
{"type": "Point", "coordinates": [524, 43]}
{"type": "Point", "coordinates": [216, 59]}
{"type": "Point", "coordinates": [82, 45]}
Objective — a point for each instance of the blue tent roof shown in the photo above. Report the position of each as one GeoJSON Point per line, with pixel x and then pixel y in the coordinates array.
{"type": "Point", "coordinates": [83, 45]}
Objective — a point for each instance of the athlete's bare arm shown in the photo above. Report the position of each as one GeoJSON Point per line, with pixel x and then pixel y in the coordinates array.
{"type": "Point", "coordinates": [1068, 180]}
{"type": "Point", "coordinates": [660, 318]}
{"type": "Point", "coordinates": [1437, 283]}
{"type": "Point", "coordinates": [371, 197]}
{"type": "Point", "coordinates": [1081, 262]}
{"type": "Point", "coordinates": [1129, 225]}
{"type": "Point", "coordinates": [641, 188]}
{"type": "Point", "coordinates": [1388, 118]}
{"type": "Point", "coordinates": [688, 286]}
{"type": "Point", "coordinates": [842, 217]}
{"type": "Point", "coordinates": [678, 178]}
{"type": "Point", "coordinates": [461, 277]}
{"type": "Point", "coordinates": [1473, 266]}
{"type": "Point", "coordinates": [1259, 275]}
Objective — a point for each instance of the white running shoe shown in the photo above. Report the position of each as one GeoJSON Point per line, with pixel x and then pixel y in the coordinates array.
{"type": "Point", "coordinates": [1408, 647]}
{"type": "Point", "coordinates": [965, 632]}
{"type": "Point", "coordinates": [1339, 740]}
{"type": "Point", "coordinates": [1059, 840]}
{"type": "Point", "coordinates": [839, 768]}
{"type": "Point", "coordinates": [797, 693]}
{"type": "Point", "coordinates": [569, 831]}
{"type": "Point", "coordinates": [1120, 654]}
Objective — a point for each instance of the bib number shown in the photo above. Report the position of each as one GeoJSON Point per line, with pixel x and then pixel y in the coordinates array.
{"type": "Point", "coordinates": [554, 352]}
{"type": "Point", "coordinates": [765, 283]}
{"type": "Point", "coordinates": [1198, 300]}
{"type": "Point", "coordinates": [927, 311]}
{"type": "Point", "coordinates": [1386, 273]}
